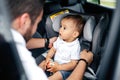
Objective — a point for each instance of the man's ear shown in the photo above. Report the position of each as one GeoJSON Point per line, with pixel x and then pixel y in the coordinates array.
{"type": "Point", "coordinates": [25, 21]}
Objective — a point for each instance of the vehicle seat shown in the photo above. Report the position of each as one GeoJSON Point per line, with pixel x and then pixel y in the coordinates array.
{"type": "Point", "coordinates": [49, 7]}
{"type": "Point", "coordinates": [72, 4]}
{"type": "Point", "coordinates": [86, 38]}
{"type": "Point", "coordinates": [88, 30]}
{"type": "Point", "coordinates": [98, 42]}
{"type": "Point", "coordinates": [91, 39]}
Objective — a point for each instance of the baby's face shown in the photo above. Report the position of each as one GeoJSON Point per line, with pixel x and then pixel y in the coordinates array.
{"type": "Point", "coordinates": [67, 29]}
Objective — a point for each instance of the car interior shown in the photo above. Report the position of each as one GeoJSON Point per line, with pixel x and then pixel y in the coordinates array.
{"type": "Point", "coordinates": [95, 27]}
{"type": "Point", "coordinates": [95, 32]}
{"type": "Point", "coordinates": [95, 37]}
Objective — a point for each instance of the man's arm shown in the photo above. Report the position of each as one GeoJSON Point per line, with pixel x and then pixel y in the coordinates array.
{"type": "Point", "coordinates": [36, 43]}
{"type": "Point", "coordinates": [79, 70]}
{"type": "Point", "coordinates": [39, 42]}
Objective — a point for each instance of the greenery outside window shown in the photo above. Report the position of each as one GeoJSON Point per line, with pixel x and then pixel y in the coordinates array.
{"type": "Point", "coordinates": [106, 3]}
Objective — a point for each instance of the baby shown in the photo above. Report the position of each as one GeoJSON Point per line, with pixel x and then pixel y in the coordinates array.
{"type": "Point", "coordinates": [66, 49]}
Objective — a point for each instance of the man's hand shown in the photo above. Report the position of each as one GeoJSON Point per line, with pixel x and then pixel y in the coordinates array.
{"type": "Point", "coordinates": [51, 41]}
{"type": "Point", "coordinates": [87, 55]}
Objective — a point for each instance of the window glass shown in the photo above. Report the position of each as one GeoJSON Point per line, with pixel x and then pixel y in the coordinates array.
{"type": "Point", "coordinates": [93, 1]}
{"type": "Point", "coordinates": [106, 3]}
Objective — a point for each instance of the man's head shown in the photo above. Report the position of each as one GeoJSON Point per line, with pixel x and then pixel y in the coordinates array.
{"type": "Point", "coordinates": [26, 14]}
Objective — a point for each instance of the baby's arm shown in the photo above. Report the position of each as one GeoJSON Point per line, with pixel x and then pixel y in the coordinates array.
{"type": "Point", "coordinates": [50, 54]}
{"type": "Point", "coordinates": [68, 66]}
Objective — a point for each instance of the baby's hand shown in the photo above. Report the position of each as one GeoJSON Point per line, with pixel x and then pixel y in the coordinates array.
{"type": "Point", "coordinates": [53, 67]}
{"type": "Point", "coordinates": [47, 61]}
{"type": "Point", "coordinates": [50, 63]}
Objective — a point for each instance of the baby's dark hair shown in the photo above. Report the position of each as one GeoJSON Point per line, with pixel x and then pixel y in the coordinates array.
{"type": "Point", "coordinates": [78, 20]}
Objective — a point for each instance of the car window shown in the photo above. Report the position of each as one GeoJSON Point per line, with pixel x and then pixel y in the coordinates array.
{"type": "Point", "coordinates": [106, 3]}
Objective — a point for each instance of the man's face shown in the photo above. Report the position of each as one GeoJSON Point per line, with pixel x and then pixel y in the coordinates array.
{"type": "Point", "coordinates": [32, 29]}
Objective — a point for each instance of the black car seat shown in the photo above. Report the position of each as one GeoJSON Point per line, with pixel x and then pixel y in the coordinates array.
{"type": "Point", "coordinates": [88, 30]}
{"type": "Point", "coordinates": [98, 43]}
{"type": "Point", "coordinates": [49, 7]}
{"type": "Point", "coordinates": [95, 29]}
{"type": "Point", "coordinates": [72, 4]}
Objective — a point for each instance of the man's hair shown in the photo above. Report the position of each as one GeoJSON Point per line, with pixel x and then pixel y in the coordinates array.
{"type": "Point", "coordinates": [32, 7]}
{"type": "Point", "coordinates": [78, 20]}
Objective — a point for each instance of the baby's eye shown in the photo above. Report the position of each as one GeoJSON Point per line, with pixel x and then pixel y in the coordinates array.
{"type": "Point", "coordinates": [64, 28]}
{"type": "Point", "coordinates": [60, 26]}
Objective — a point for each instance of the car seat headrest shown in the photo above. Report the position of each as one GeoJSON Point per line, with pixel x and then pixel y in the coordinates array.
{"type": "Point", "coordinates": [88, 28]}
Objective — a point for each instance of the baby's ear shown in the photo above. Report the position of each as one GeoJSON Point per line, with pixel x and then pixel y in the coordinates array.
{"type": "Point", "coordinates": [75, 34]}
